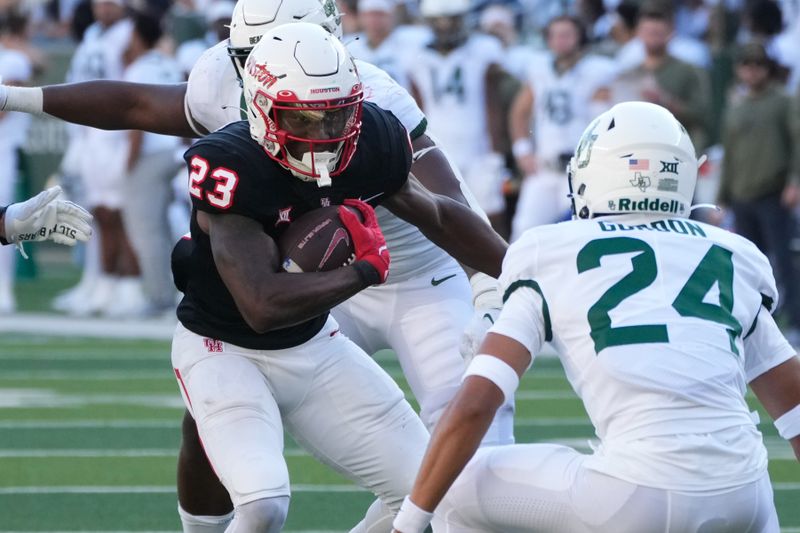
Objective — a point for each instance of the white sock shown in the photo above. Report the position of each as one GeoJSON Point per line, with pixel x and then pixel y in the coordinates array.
{"type": "Point", "coordinates": [204, 524]}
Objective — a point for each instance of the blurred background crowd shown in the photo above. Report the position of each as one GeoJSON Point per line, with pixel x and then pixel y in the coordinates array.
{"type": "Point", "coordinates": [507, 88]}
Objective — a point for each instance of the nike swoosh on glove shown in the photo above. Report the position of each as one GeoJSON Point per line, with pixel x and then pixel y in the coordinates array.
{"type": "Point", "coordinates": [368, 240]}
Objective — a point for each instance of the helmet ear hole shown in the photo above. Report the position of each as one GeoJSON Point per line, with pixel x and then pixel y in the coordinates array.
{"type": "Point", "coordinates": [584, 213]}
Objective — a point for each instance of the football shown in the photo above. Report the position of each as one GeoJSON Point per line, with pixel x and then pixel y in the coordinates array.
{"type": "Point", "coordinates": [316, 242]}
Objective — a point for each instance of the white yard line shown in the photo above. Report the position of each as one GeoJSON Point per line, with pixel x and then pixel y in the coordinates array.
{"type": "Point", "coordinates": [89, 424]}
{"type": "Point", "coordinates": [56, 325]}
{"type": "Point", "coordinates": [107, 452]}
{"type": "Point", "coordinates": [154, 489]}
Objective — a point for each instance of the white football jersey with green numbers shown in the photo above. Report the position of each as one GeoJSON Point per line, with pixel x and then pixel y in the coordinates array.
{"type": "Point", "coordinates": [649, 317]}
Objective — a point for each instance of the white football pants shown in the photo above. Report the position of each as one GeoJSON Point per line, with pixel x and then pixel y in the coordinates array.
{"type": "Point", "coordinates": [422, 320]}
{"type": "Point", "coordinates": [333, 399]}
{"type": "Point", "coordinates": [546, 488]}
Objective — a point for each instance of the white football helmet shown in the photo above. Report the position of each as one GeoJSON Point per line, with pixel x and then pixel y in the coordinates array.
{"type": "Point", "coordinates": [444, 8]}
{"type": "Point", "coordinates": [252, 18]}
{"type": "Point", "coordinates": [304, 100]}
{"type": "Point", "coordinates": [634, 158]}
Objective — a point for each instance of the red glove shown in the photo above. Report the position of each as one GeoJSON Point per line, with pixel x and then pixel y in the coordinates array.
{"type": "Point", "coordinates": [368, 240]}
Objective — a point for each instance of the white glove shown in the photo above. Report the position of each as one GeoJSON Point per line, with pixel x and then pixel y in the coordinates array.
{"type": "Point", "coordinates": [3, 94]}
{"type": "Point", "coordinates": [487, 302]}
{"type": "Point", "coordinates": [44, 217]}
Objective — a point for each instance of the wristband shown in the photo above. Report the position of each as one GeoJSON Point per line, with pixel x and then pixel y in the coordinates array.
{"type": "Point", "coordinates": [25, 99]}
{"type": "Point", "coordinates": [522, 147]}
{"type": "Point", "coordinates": [485, 292]}
{"type": "Point", "coordinates": [410, 518]}
{"type": "Point", "coordinates": [368, 274]}
{"type": "Point", "coordinates": [497, 371]}
{"type": "Point", "coordinates": [788, 424]}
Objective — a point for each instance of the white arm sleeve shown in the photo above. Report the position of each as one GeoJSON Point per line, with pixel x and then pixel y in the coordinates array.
{"type": "Point", "coordinates": [522, 319]}
{"type": "Point", "coordinates": [765, 347]}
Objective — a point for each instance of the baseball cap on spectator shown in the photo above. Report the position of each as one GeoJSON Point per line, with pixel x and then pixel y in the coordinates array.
{"type": "Point", "coordinates": [219, 10]}
{"type": "Point", "coordinates": [384, 6]}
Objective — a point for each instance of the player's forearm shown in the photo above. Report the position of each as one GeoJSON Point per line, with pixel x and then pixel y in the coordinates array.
{"type": "Point", "coordinates": [457, 436]}
{"type": "Point", "coordinates": [778, 389]}
{"type": "Point", "coordinates": [519, 116]}
{"type": "Point", "coordinates": [468, 238]}
{"type": "Point", "coordinates": [117, 105]}
{"type": "Point", "coordinates": [279, 300]}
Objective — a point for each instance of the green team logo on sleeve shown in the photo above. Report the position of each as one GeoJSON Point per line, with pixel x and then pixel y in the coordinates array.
{"type": "Point", "coordinates": [330, 7]}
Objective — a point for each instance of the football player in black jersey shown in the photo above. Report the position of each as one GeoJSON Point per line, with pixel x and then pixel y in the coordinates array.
{"type": "Point", "coordinates": [256, 350]}
{"type": "Point", "coordinates": [410, 299]}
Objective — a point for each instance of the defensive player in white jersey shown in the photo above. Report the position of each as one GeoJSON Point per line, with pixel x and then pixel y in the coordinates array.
{"type": "Point", "coordinates": [423, 309]}
{"type": "Point", "coordinates": [563, 91]}
{"type": "Point", "coordinates": [454, 78]}
{"type": "Point", "coordinates": [664, 323]}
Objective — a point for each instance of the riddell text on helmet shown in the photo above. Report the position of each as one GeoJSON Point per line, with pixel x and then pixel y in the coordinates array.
{"type": "Point", "coordinates": [648, 204]}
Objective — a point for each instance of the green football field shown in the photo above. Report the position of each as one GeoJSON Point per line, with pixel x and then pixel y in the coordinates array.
{"type": "Point", "coordinates": [89, 431]}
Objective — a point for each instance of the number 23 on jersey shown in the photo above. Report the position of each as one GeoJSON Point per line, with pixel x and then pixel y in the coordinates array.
{"type": "Point", "coordinates": [226, 180]}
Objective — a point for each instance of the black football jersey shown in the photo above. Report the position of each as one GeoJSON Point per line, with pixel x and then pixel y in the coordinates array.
{"type": "Point", "coordinates": [231, 173]}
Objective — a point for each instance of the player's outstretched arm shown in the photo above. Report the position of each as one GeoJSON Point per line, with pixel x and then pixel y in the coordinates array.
{"type": "Point", "coordinates": [778, 390]}
{"type": "Point", "coordinates": [109, 105]}
{"type": "Point", "coordinates": [248, 261]}
{"type": "Point", "coordinates": [450, 225]}
{"type": "Point", "coordinates": [463, 424]}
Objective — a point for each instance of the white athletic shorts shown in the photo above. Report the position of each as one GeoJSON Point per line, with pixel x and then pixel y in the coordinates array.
{"type": "Point", "coordinates": [330, 396]}
{"type": "Point", "coordinates": [546, 488]}
{"type": "Point", "coordinates": [422, 320]}
{"type": "Point", "coordinates": [102, 168]}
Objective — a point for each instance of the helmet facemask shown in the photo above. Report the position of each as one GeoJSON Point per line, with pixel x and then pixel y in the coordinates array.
{"type": "Point", "coordinates": [314, 139]}
{"type": "Point", "coordinates": [304, 100]}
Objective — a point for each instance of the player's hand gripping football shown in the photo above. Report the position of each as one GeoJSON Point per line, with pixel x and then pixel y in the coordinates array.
{"type": "Point", "coordinates": [368, 240]}
{"type": "Point", "coordinates": [45, 217]}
